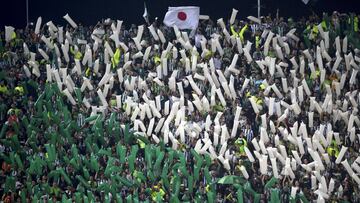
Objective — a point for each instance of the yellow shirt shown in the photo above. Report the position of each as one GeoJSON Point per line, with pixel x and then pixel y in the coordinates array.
{"type": "Point", "coordinates": [242, 31]}
{"type": "Point", "coordinates": [78, 55]}
{"type": "Point", "coordinates": [240, 34]}
{"type": "Point", "coordinates": [157, 59]}
{"type": "Point", "coordinates": [356, 24]}
{"type": "Point", "coordinates": [3, 89]}
{"type": "Point", "coordinates": [20, 90]}
{"type": "Point", "coordinates": [116, 59]}
{"type": "Point", "coordinates": [257, 41]}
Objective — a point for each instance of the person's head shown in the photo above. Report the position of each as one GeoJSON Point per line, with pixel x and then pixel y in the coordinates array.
{"type": "Point", "coordinates": [44, 179]}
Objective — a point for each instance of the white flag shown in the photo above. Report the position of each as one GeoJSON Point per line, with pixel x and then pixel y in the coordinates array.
{"type": "Point", "coordinates": [9, 32]}
{"type": "Point", "coordinates": [186, 17]}
{"type": "Point", "coordinates": [146, 14]}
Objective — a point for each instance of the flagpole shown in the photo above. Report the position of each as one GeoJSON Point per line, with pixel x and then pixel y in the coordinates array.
{"type": "Point", "coordinates": [259, 9]}
{"type": "Point", "coordinates": [27, 12]}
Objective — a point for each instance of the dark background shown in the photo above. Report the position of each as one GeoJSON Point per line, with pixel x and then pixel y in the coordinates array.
{"type": "Point", "coordinates": [13, 12]}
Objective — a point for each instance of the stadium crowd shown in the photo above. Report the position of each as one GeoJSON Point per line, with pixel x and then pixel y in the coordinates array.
{"type": "Point", "coordinates": [233, 112]}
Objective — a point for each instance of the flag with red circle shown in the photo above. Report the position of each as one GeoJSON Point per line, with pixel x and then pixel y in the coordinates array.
{"type": "Point", "coordinates": [184, 17]}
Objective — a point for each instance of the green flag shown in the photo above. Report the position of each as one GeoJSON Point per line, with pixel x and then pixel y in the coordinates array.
{"type": "Point", "coordinates": [239, 195]}
{"type": "Point", "coordinates": [271, 183]}
{"type": "Point", "coordinates": [9, 184]}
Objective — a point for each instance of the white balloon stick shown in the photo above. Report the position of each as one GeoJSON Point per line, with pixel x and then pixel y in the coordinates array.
{"type": "Point", "coordinates": [356, 178]}
{"type": "Point", "coordinates": [187, 65]}
{"type": "Point", "coordinates": [221, 97]}
{"type": "Point", "coordinates": [279, 52]}
{"type": "Point", "coordinates": [109, 49]}
{"type": "Point", "coordinates": [159, 125]}
{"type": "Point", "coordinates": [218, 47]}
{"type": "Point", "coordinates": [147, 53]}
{"type": "Point", "coordinates": [347, 166]}
{"type": "Point", "coordinates": [123, 46]}
{"type": "Point", "coordinates": [161, 36]}
{"type": "Point", "coordinates": [306, 87]}
{"type": "Point", "coordinates": [284, 85]}
{"type": "Point", "coordinates": [337, 44]}
{"type": "Point", "coordinates": [262, 146]}
{"type": "Point", "coordinates": [135, 114]}
{"type": "Point", "coordinates": [331, 185]}
{"type": "Point", "coordinates": [148, 111]}
{"type": "Point", "coordinates": [345, 45]}
{"type": "Point", "coordinates": [341, 154]}
{"type": "Point", "coordinates": [155, 138]}
{"type": "Point", "coordinates": [227, 35]}
{"type": "Point", "coordinates": [300, 145]}
{"type": "Point", "coordinates": [307, 55]}
{"type": "Point", "coordinates": [220, 21]}
{"type": "Point", "coordinates": [69, 96]}
{"type": "Point", "coordinates": [326, 56]}
{"type": "Point", "coordinates": [140, 32]}
{"type": "Point", "coordinates": [43, 54]}
{"type": "Point", "coordinates": [247, 55]}
{"type": "Point", "coordinates": [233, 16]}
{"type": "Point", "coordinates": [294, 37]}
{"type": "Point", "coordinates": [274, 167]}
{"type": "Point", "coordinates": [296, 156]}
{"type": "Point", "coordinates": [27, 71]}
{"type": "Point", "coordinates": [276, 90]}
{"type": "Point", "coordinates": [244, 172]}
{"type": "Point", "coordinates": [267, 43]}
{"type": "Point", "coordinates": [263, 165]}
{"type": "Point", "coordinates": [237, 113]}
{"type": "Point", "coordinates": [283, 150]}
{"type": "Point", "coordinates": [254, 19]}
{"type": "Point", "coordinates": [239, 45]}
{"type": "Point", "coordinates": [137, 43]}
{"type": "Point", "coordinates": [255, 144]}
{"type": "Point", "coordinates": [47, 42]}
{"type": "Point", "coordinates": [35, 69]}
{"type": "Point", "coordinates": [222, 149]}
{"type": "Point", "coordinates": [102, 98]}
{"type": "Point", "coordinates": [194, 85]}
{"type": "Point", "coordinates": [319, 58]}
{"type": "Point", "coordinates": [52, 26]}
{"type": "Point", "coordinates": [287, 48]}
{"type": "Point", "coordinates": [353, 77]}
{"type": "Point", "coordinates": [321, 30]}
{"type": "Point", "coordinates": [232, 90]}
{"type": "Point", "coordinates": [38, 25]}
{"type": "Point", "coordinates": [350, 122]}
{"type": "Point", "coordinates": [355, 166]}
{"type": "Point", "coordinates": [70, 21]}
{"type": "Point", "coordinates": [254, 105]}
{"type": "Point", "coordinates": [249, 155]}
{"type": "Point", "coordinates": [326, 39]}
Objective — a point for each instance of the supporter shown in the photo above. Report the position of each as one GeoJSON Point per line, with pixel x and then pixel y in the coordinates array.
{"type": "Point", "coordinates": [55, 150]}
